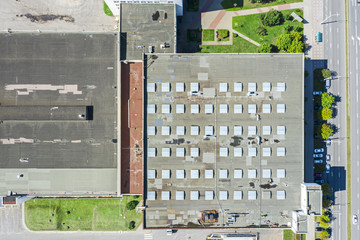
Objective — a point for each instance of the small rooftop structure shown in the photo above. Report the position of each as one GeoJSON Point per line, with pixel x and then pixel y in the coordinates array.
{"type": "Point", "coordinates": [223, 87]}
{"type": "Point", "coordinates": [280, 108]}
{"type": "Point", "coordinates": [180, 108]}
{"type": "Point", "coordinates": [151, 108]}
{"type": "Point", "coordinates": [194, 152]}
{"type": "Point", "coordinates": [151, 87]}
{"type": "Point", "coordinates": [238, 173]}
{"type": "Point", "coordinates": [224, 108]}
{"type": "Point", "coordinates": [266, 86]}
{"type": "Point", "coordinates": [252, 195]}
{"type": "Point", "coordinates": [195, 173]}
{"type": "Point", "coordinates": [252, 152]}
{"type": "Point", "coordinates": [209, 195]}
{"type": "Point", "coordinates": [281, 87]}
{"type": "Point", "coordinates": [252, 108]}
{"type": "Point", "coordinates": [209, 108]}
{"type": "Point", "coordinates": [151, 195]}
{"type": "Point", "coordinates": [209, 130]}
{"type": "Point", "coordinates": [252, 130]}
{"type": "Point", "coordinates": [209, 173]}
{"type": "Point", "coordinates": [252, 87]}
{"type": "Point", "coordinates": [266, 173]}
{"type": "Point", "coordinates": [280, 195]}
{"type": "Point", "coordinates": [165, 195]}
{"type": "Point", "coordinates": [266, 130]}
{"type": "Point", "coordinates": [180, 130]}
{"type": "Point", "coordinates": [195, 108]}
{"type": "Point", "coordinates": [194, 195]}
{"type": "Point", "coordinates": [180, 87]}
{"type": "Point", "coordinates": [165, 174]}
{"type": "Point", "coordinates": [180, 152]}
{"type": "Point", "coordinates": [180, 195]}
{"type": "Point", "coordinates": [238, 108]}
{"type": "Point", "coordinates": [223, 195]}
{"type": "Point", "coordinates": [223, 173]}
{"type": "Point", "coordinates": [238, 87]}
{"type": "Point", "coordinates": [194, 130]}
{"type": "Point", "coordinates": [151, 174]}
{"type": "Point", "coordinates": [180, 174]}
{"type": "Point", "coordinates": [238, 195]}
{"type": "Point", "coordinates": [281, 151]}
{"type": "Point", "coordinates": [266, 152]}
{"type": "Point", "coordinates": [224, 130]}
{"type": "Point", "coordinates": [165, 130]}
{"type": "Point", "coordinates": [266, 108]}
{"type": "Point", "coordinates": [281, 130]}
{"type": "Point", "coordinates": [165, 87]}
{"type": "Point", "coordinates": [151, 130]}
{"type": "Point", "coordinates": [238, 130]}
{"type": "Point", "coordinates": [151, 152]}
{"type": "Point", "coordinates": [224, 152]}
{"type": "Point", "coordinates": [251, 173]}
{"type": "Point", "coordinates": [238, 152]}
{"type": "Point", "coordinates": [165, 152]}
{"type": "Point", "coordinates": [194, 87]}
{"type": "Point", "coordinates": [280, 173]}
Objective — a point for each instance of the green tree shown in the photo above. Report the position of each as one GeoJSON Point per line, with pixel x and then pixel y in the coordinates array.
{"type": "Point", "coordinates": [326, 113]}
{"type": "Point", "coordinates": [283, 42]}
{"type": "Point", "coordinates": [132, 205]}
{"type": "Point", "coordinates": [272, 18]}
{"type": "Point", "coordinates": [325, 218]}
{"type": "Point", "coordinates": [324, 225]}
{"type": "Point", "coordinates": [261, 31]}
{"type": "Point", "coordinates": [326, 189]}
{"type": "Point", "coordinates": [298, 29]}
{"type": "Point", "coordinates": [326, 131]}
{"type": "Point", "coordinates": [296, 47]}
{"type": "Point", "coordinates": [326, 73]}
{"type": "Point", "coordinates": [326, 202]}
{"type": "Point", "coordinates": [327, 100]}
{"type": "Point", "coordinates": [288, 28]}
{"type": "Point", "coordinates": [265, 48]}
{"type": "Point", "coordinates": [324, 234]}
{"type": "Point", "coordinates": [131, 225]}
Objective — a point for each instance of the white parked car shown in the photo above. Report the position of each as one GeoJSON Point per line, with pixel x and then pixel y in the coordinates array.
{"type": "Point", "coordinates": [355, 219]}
{"type": "Point", "coordinates": [318, 155]}
{"type": "Point", "coordinates": [319, 150]}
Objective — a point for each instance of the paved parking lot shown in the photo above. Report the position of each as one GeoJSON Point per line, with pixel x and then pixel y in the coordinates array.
{"type": "Point", "coordinates": [70, 15]}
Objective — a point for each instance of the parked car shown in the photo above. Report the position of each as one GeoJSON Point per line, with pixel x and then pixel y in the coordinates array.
{"type": "Point", "coordinates": [319, 180]}
{"type": "Point", "coordinates": [327, 167]}
{"type": "Point", "coordinates": [318, 155]}
{"type": "Point", "coordinates": [319, 229]}
{"type": "Point", "coordinates": [327, 83]}
{"type": "Point", "coordinates": [316, 93]}
{"type": "Point", "coordinates": [319, 150]}
{"type": "Point", "coordinates": [318, 175]}
{"type": "Point", "coordinates": [318, 161]}
{"type": "Point", "coordinates": [328, 158]}
{"type": "Point", "coordinates": [355, 219]}
{"type": "Point", "coordinates": [328, 142]}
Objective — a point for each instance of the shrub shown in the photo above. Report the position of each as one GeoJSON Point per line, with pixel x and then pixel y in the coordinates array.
{"type": "Point", "coordinates": [265, 48]}
{"type": "Point", "coordinates": [326, 73]}
{"type": "Point", "coordinates": [131, 225]}
{"type": "Point", "coordinates": [326, 113]}
{"type": "Point", "coordinates": [223, 33]}
{"type": "Point", "coordinates": [272, 18]}
{"type": "Point", "coordinates": [288, 28]}
{"type": "Point", "coordinates": [132, 205]}
{"type": "Point", "coordinates": [326, 131]}
{"type": "Point", "coordinates": [283, 42]}
{"type": "Point", "coordinates": [288, 17]}
{"type": "Point", "coordinates": [298, 29]}
{"type": "Point", "coordinates": [261, 31]}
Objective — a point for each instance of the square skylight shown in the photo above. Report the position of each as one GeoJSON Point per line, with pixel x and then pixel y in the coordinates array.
{"type": "Point", "coordinates": [209, 108]}
{"type": "Point", "coordinates": [151, 195]}
{"type": "Point", "coordinates": [281, 151]}
{"type": "Point", "coordinates": [223, 173]}
{"type": "Point", "coordinates": [151, 152]}
{"type": "Point", "coordinates": [195, 173]}
{"type": "Point", "coordinates": [252, 130]}
{"type": "Point", "coordinates": [280, 108]}
{"type": "Point", "coordinates": [151, 173]}
{"type": "Point", "coordinates": [180, 108]}
{"type": "Point", "coordinates": [195, 108]}
{"type": "Point", "coordinates": [238, 195]}
{"type": "Point", "coordinates": [252, 195]}
{"type": "Point", "coordinates": [252, 173]}
{"type": "Point", "coordinates": [238, 152]}
{"type": "Point", "coordinates": [209, 195]}
{"type": "Point", "coordinates": [266, 108]}
{"type": "Point", "coordinates": [281, 130]}
{"type": "Point", "coordinates": [165, 174]}
{"type": "Point", "coordinates": [180, 195]}
{"type": "Point", "coordinates": [194, 130]}
{"type": "Point", "coordinates": [180, 174]}
{"type": "Point", "coordinates": [252, 87]}
{"type": "Point", "coordinates": [238, 87]}
{"type": "Point", "coordinates": [151, 87]}
{"type": "Point", "coordinates": [209, 130]}
{"type": "Point", "coordinates": [209, 173]}
{"type": "Point", "coordinates": [180, 130]}
{"type": "Point", "coordinates": [238, 173]}
{"type": "Point", "coordinates": [180, 87]}
{"type": "Point", "coordinates": [165, 195]}
{"type": "Point", "coordinates": [280, 173]}
{"type": "Point", "coordinates": [194, 87]}
{"type": "Point", "coordinates": [165, 152]}
{"type": "Point", "coordinates": [266, 130]}
{"type": "Point", "coordinates": [165, 130]}
{"type": "Point", "coordinates": [165, 108]}
{"type": "Point", "coordinates": [238, 130]}
{"type": "Point", "coordinates": [194, 152]}
{"type": "Point", "coordinates": [266, 151]}
{"type": "Point", "coordinates": [266, 87]}
{"type": "Point", "coordinates": [194, 195]}
{"type": "Point", "coordinates": [224, 130]}
{"type": "Point", "coordinates": [151, 130]}
{"type": "Point", "coordinates": [252, 108]}
{"type": "Point", "coordinates": [280, 195]}
{"type": "Point", "coordinates": [223, 108]}
{"type": "Point", "coordinates": [252, 152]}
{"type": "Point", "coordinates": [223, 87]}
{"type": "Point", "coordinates": [238, 108]}
{"type": "Point", "coordinates": [151, 108]}
{"type": "Point", "coordinates": [223, 195]}
{"type": "Point", "coordinates": [224, 152]}
{"type": "Point", "coordinates": [165, 87]}
{"type": "Point", "coordinates": [180, 152]}
{"type": "Point", "coordinates": [281, 87]}
{"type": "Point", "coordinates": [266, 173]}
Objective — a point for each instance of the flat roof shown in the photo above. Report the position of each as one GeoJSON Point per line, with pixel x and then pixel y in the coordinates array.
{"type": "Point", "coordinates": [216, 152]}
{"type": "Point", "coordinates": [144, 25]}
{"type": "Point", "coordinates": [49, 81]}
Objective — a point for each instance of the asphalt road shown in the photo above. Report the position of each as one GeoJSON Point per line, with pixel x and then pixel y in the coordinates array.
{"type": "Point", "coordinates": [334, 52]}
{"type": "Point", "coordinates": [354, 45]}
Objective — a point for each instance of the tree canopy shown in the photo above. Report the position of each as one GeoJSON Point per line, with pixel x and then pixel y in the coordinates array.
{"type": "Point", "coordinates": [327, 100]}
{"type": "Point", "coordinates": [271, 18]}
{"type": "Point", "coordinates": [290, 42]}
{"type": "Point", "coordinates": [326, 73]}
{"type": "Point", "coordinates": [265, 48]}
{"type": "Point", "coordinates": [326, 113]}
{"type": "Point", "coordinates": [326, 131]}
{"type": "Point", "coordinates": [327, 190]}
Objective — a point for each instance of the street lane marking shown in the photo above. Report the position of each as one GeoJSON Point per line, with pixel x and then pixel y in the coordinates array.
{"type": "Point", "coordinates": [330, 45]}
{"type": "Point", "coordinates": [337, 45]}
{"type": "Point", "coordinates": [339, 174]}
{"type": "Point", "coordinates": [337, 29]}
{"type": "Point", "coordinates": [357, 179]}
{"type": "Point", "coordinates": [332, 174]}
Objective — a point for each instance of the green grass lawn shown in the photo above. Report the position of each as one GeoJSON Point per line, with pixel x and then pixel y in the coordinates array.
{"type": "Point", "coordinates": [107, 10]}
{"type": "Point", "coordinates": [208, 35]}
{"type": "Point", "coordinates": [228, 5]}
{"type": "Point", "coordinates": [239, 45]}
{"type": "Point", "coordinates": [192, 5]}
{"type": "Point", "coordinates": [85, 214]}
{"type": "Point", "coordinates": [248, 24]}
{"type": "Point", "coordinates": [194, 35]}
{"type": "Point", "coordinates": [288, 235]}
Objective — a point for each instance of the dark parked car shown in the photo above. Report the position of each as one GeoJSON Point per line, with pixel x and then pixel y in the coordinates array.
{"type": "Point", "coordinates": [319, 229]}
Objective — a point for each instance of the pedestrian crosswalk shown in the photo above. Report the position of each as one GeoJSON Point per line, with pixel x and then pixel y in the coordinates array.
{"type": "Point", "coordinates": [148, 236]}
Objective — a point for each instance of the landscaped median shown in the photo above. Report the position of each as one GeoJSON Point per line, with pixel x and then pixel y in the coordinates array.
{"type": "Point", "coordinates": [90, 214]}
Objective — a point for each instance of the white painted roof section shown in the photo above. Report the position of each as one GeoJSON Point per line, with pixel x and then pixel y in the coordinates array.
{"type": "Point", "coordinates": [266, 130]}
{"type": "Point", "coordinates": [165, 174]}
{"type": "Point", "coordinates": [280, 195]}
{"type": "Point", "coordinates": [165, 87]}
{"type": "Point", "coordinates": [252, 108]}
{"type": "Point", "coordinates": [223, 195]}
{"type": "Point", "coordinates": [266, 173]}
{"type": "Point", "coordinates": [280, 108]}
{"type": "Point", "coordinates": [151, 173]}
{"type": "Point", "coordinates": [180, 87]}
{"type": "Point", "coordinates": [165, 108]}
{"type": "Point", "coordinates": [281, 87]}
{"type": "Point", "coordinates": [194, 152]}
{"type": "Point", "coordinates": [266, 108]}
{"type": "Point", "coordinates": [180, 195]}
{"type": "Point", "coordinates": [194, 130]}
{"type": "Point", "coordinates": [180, 130]}
{"type": "Point", "coordinates": [151, 195]}
{"type": "Point", "coordinates": [252, 87]}
{"type": "Point", "coordinates": [165, 195]}
{"type": "Point", "coordinates": [180, 174]}
{"type": "Point", "coordinates": [223, 108]}
{"type": "Point", "coordinates": [281, 130]}
{"type": "Point", "coordinates": [266, 151]}
{"type": "Point", "coordinates": [238, 87]}
{"type": "Point", "coordinates": [151, 130]}
{"type": "Point", "coordinates": [252, 152]}
{"type": "Point", "coordinates": [180, 152]}
{"type": "Point", "coordinates": [252, 130]}
{"type": "Point", "coordinates": [238, 195]}
{"type": "Point", "coordinates": [224, 152]}
{"type": "Point", "coordinates": [195, 108]}
{"type": "Point", "coordinates": [209, 173]}
{"type": "Point", "coordinates": [209, 108]}
{"type": "Point", "coordinates": [238, 130]}
{"type": "Point", "coordinates": [180, 108]}
{"type": "Point", "coordinates": [165, 152]}
{"type": "Point", "coordinates": [224, 130]}
{"type": "Point", "coordinates": [281, 151]}
{"type": "Point", "coordinates": [266, 87]}
{"type": "Point", "coordinates": [280, 173]}
{"type": "Point", "coordinates": [151, 87]}
{"type": "Point", "coordinates": [195, 173]}
{"type": "Point", "coordinates": [238, 152]}
{"type": "Point", "coordinates": [252, 173]}
{"type": "Point", "coordinates": [223, 173]}
{"type": "Point", "coordinates": [194, 87]}
{"type": "Point", "coordinates": [223, 87]}
{"type": "Point", "coordinates": [238, 173]}
{"type": "Point", "coordinates": [238, 108]}
{"type": "Point", "coordinates": [194, 195]}
{"type": "Point", "coordinates": [252, 195]}
{"type": "Point", "coordinates": [209, 130]}
{"type": "Point", "coordinates": [209, 195]}
{"type": "Point", "coordinates": [165, 130]}
{"type": "Point", "coordinates": [151, 108]}
{"type": "Point", "coordinates": [151, 152]}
